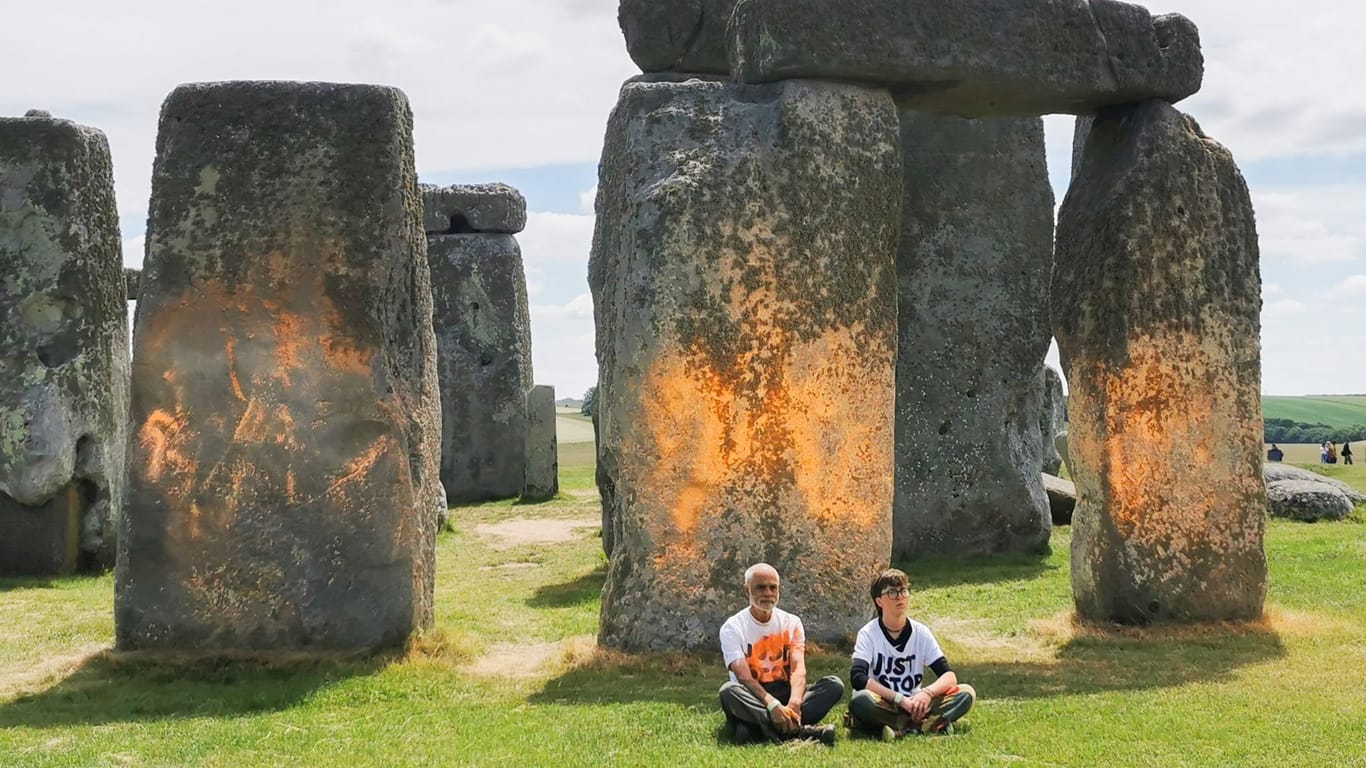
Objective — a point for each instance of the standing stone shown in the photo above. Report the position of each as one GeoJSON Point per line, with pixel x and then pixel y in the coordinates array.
{"type": "Point", "coordinates": [483, 339]}
{"type": "Point", "coordinates": [974, 58]}
{"type": "Point", "coordinates": [284, 384]}
{"type": "Point", "coordinates": [976, 246]}
{"type": "Point", "coordinates": [744, 291]}
{"type": "Point", "coordinates": [63, 348]}
{"type": "Point", "coordinates": [677, 35]}
{"type": "Point", "coordinates": [1156, 306]}
{"type": "Point", "coordinates": [1053, 419]}
{"type": "Point", "coordinates": [542, 451]}
{"type": "Point", "coordinates": [607, 491]}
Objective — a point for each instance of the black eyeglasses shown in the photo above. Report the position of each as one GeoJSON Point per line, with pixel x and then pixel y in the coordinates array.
{"type": "Point", "coordinates": [895, 592]}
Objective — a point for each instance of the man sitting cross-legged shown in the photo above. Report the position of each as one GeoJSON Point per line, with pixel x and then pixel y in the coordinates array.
{"type": "Point", "coordinates": [890, 656]}
{"type": "Point", "coordinates": [765, 649]}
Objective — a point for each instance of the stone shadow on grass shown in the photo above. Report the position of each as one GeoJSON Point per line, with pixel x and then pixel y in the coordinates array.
{"type": "Point", "coordinates": [114, 688]}
{"type": "Point", "coordinates": [692, 680]}
{"type": "Point", "coordinates": [932, 572]}
{"type": "Point", "coordinates": [1104, 659]}
{"type": "Point", "coordinates": [584, 589]}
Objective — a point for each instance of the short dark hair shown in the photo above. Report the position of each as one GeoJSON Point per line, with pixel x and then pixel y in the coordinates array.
{"type": "Point", "coordinates": [891, 577]}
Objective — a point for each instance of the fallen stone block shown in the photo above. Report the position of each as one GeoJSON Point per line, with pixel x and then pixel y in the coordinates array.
{"type": "Point", "coordinates": [1307, 501]}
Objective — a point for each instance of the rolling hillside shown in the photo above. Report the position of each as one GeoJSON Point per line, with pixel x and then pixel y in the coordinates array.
{"type": "Point", "coordinates": [1333, 410]}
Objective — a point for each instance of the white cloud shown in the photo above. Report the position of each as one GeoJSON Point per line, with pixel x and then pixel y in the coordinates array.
{"type": "Point", "coordinates": [587, 199]}
{"type": "Point", "coordinates": [1354, 287]}
{"type": "Point", "coordinates": [557, 238]}
{"type": "Point", "coordinates": [1282, 308]}
{"type": "Point", "coordinates": [1271, 289]}
{"type": "Point", "coordinates": [578, 308]}
{"type": "Point", "coordinates": [133, 250]}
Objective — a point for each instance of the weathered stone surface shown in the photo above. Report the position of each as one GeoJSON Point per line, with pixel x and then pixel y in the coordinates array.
{"type": "Point", "coordinates": [1062, 498]}
{"type": "Point", "coordinates": [463, 209]}
{"type": "Point", "coordinates": [974, 58]}
{"type": "Point", "coordinates": [63, 348]}
{"type": "Point", "coordinates": [976, 245]}
{"type": "Point", "coordinates": [132, 278]}
{"type": "Point", "coordinates": [1060, 445]}
{"type": "Point", "coordinates": [483, 345]}
{"type": "Point", "coordinates": [1156, 308]}
{"type": "Point", "coordinates": [744, 292]}
{"type": "Point", "coordinates": [285, 460]}
{"type": "Point", "coordinates": [542, 451]}
{"type": "Point", "coordinates": [677, 35]}
{"type": "Point", "coordinates": [607, 491]}
{"type": "Point", "coordinates": [1053, 420]}
{"type": "Point", "coordinates": [1272, 472]}
{"type": "Point", "coordinates": [1306, 500]}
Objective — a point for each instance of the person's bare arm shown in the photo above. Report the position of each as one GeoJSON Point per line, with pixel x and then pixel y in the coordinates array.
{"type": "Point", "coordinates": [890, 696]}
{"type": "Point", "coordinates": [796, 659]}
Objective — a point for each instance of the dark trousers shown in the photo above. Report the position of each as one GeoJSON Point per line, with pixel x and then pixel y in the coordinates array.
{"type": "Point", "coordinates": [739, 704]}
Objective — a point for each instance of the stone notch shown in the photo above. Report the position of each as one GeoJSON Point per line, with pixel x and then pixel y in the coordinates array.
{"type": "Point", "coordinates": [1156, 304]}
{"type": "Point", "coordinates": [483, 353]}
{"type": "Point", "coordinates": [463, 209]}
{"type": "Point", "coordinates": [744, 286]}
{"type": "Point", "coordinates": [677, 35]}
{"type": "Point", "coordinates": [976, 248]}
{"type": "Point", "coordinates": [1053, 419]}
{"type": "Point", "coordinates": [63, 349]}
{"type": "Point", "coordinates": [974, 58]}
{"type": "Point", "coordinates": [542, 462]}
{"type": "Point", "coordinates": [284, 485]}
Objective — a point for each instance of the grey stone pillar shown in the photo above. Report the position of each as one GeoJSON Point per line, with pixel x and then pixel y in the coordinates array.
{"type": "Point", "coordinates": [483, 337]}
{"type": "Point", "coordinates": [976, 247]}
{"type": "Point", "coordinates": [744, 293]}
{"type": "Point", "coordinates": [1053, 419]}
{"type": "Point", "coordinates": [284, 385]}
{"type": "Point", "coordinates": [1156, 306]}
{"type": "Point", "coordinates": [542, 450]}
{"type": "Point", "coordinates": [63, 348]}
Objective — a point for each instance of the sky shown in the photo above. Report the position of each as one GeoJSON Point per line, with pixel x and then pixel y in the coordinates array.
{"type": "Point", "coordinates": [519, 91]}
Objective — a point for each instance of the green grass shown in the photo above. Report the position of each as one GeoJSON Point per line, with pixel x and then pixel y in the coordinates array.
{"type": "Point", "coordinates": [1290, 691]}
{"type": "Point", "coordinates": [1334, 410]}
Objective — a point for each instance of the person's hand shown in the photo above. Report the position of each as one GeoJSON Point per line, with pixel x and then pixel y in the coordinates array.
{"type": "Point", "coordinates": [917, 706]}
{"type": "Point", "coordinates": [783, 720]}
{"type": "Point", "coordinates": [795, 707]}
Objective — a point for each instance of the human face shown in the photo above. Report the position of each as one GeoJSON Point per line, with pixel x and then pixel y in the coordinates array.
{"type": "Point", "coordinates": [763, 591]}
{"type": "Point", "coordinates": [893, 600]}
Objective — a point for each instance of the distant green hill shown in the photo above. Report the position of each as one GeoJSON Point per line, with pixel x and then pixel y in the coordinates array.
{"type": "Point", "coordinates": [1333, 410]}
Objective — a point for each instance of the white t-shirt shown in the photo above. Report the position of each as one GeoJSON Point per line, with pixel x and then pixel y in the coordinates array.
{"type": "Point", "coordinates": [901, 670]}
{"type": "Point", "coordinates": [766, 647]}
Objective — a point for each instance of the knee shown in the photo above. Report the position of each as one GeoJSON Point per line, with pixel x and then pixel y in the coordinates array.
{"type": "Point", "coordinates": [727, 690]}
{"type": "Point", "coordinates": [966, 690]}
{"type": "Point", "coordinates": [863, 702]}
{"type": "Point", "coordinates": [835, 684]}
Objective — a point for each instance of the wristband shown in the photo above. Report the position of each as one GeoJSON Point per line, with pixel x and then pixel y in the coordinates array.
{"type": "Point", "coordinates": [896, 702]}
{"type": "Point", "coordinates": [772, 704]}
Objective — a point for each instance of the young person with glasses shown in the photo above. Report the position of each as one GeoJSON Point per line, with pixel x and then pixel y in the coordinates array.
{"type": "Point", "coordinates": [891, 654]}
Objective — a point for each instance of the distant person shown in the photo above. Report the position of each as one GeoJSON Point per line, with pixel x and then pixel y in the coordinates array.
{"type": "Point", "coordinates": [764, 648]}
{"type": "Point", "coordinates": [1275, 454]}
{"type": "Point", "coordinates": [890, 657]}
{"type": "Point", "coordinates": [1332, 453]}
{"type": "Point", "coordinates": [1323, 453]}
{"type": "Point", "coordinates": [1346, 453]}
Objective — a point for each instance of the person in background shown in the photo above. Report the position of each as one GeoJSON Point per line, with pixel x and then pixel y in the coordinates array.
{"type": "Point", "coordinates": [1275, 454]}
{"type": "Point", "coordinates": [1346, 453]}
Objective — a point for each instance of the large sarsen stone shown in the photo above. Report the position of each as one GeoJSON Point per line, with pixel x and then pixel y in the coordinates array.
{"type": "Point", "coordinates": [974, 58]}
{"type": "Point", "coordinates": [976, 245]}
{"type": "Point", "coordinates": [744, 294]}
{"type": "Point", "coordinates": [284, 476]}
{"type": "Point", "coordinates": [63, 348]}
{"type": "Point", "coordinates": [1156, 307]}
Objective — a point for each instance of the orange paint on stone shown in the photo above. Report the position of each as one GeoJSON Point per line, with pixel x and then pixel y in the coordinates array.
{"type": "Point", "coordinates": [229, 348]}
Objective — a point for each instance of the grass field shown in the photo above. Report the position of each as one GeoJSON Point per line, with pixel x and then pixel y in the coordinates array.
{"type": "Point", "coordinates": [1335, 411]}
{"type": "Point", "coordinates": [510, 675]}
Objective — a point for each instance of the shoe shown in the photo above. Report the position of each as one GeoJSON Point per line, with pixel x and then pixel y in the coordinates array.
{"type": "Point", "coordinates": [825, 734]}
{"type": "Point", "coordinates": [939, 727]}
{"type": "Point", "coordinates": [888, 734]}
{"type": "Point", "coordinates": [742, 734]}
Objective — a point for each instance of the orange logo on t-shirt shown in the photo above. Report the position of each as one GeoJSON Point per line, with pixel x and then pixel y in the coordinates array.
{"type": "Point", "coordinates": [767, 658]}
